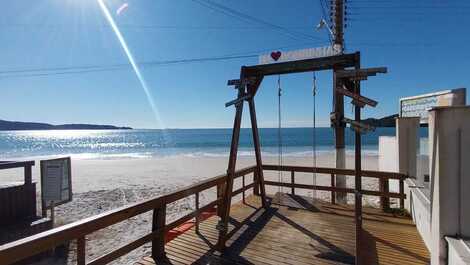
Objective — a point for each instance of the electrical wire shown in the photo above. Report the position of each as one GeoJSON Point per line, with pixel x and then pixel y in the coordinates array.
{"type": "Point", "coordinates": [247, 18]}
{"type": "Point", "coordinates": [37, 72]}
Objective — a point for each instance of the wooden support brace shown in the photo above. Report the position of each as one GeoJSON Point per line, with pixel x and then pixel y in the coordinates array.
{"type": "Point", "coordinates": [237, 83]}
{"type": "Point", "coordinates": [358, 100]}
{"type": "Point", "coordinates": [361, 73]}
{"type": "Point", "coordinates": [359, 126]}
{"type": "Point", "coordinates": [237, 100]}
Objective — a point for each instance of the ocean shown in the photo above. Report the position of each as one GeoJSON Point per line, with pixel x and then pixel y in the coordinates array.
{"type": "Point", "coordinates": [114, 144]}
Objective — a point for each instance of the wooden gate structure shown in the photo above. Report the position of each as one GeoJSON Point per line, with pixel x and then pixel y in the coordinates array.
{"type": "Point", "coordinates": [347, 74]}
{"type": "Point", "coordinates": [347, 77]}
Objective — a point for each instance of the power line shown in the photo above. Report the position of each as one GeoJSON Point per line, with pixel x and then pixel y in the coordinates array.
{"type": "Point", "coordinates": [37, 72]}
{"type": "Point", "coordinates": [151, 27]}
{"type": "Point", "coordinates": [247, 18]}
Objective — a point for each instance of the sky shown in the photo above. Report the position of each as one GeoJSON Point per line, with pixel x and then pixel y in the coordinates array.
{"type": "Point", "coordinates": [424, 44]}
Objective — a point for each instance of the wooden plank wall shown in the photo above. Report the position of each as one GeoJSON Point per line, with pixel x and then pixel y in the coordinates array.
{"type": "Point", "coordinates": [18, 202]}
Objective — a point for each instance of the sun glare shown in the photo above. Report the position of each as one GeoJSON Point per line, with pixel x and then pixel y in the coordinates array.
{"type": "Point", "coordinates": [132, 61]}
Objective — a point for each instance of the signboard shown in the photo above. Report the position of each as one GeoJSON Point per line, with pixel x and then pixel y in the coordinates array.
{"type": "Point", "coordinates": [418, 106]}
{"type": "Point", "coordinates": [56, 182]}
{"type": "Point", "coordinates": [311, 53]}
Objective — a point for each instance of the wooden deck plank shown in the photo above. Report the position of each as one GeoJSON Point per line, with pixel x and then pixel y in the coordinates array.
{"type": "Point", "coordinates": [299, 233]}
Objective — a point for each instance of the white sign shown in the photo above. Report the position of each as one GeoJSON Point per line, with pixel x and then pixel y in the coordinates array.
{"type": "Point", "coordinates": [418, 106]}
{"type": "Point", "coordinates": [311, 53]}
{"type": "Point", "coordinates": [56, 182]}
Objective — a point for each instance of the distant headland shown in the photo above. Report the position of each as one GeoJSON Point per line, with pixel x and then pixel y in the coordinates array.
{"type": "Point", "coordinates": [17, 126]}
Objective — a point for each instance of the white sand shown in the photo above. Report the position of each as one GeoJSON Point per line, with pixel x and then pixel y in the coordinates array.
{"type": "Point", "coordinates": [102, 185]}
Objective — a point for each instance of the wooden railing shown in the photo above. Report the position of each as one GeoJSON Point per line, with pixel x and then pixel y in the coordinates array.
{"type": "Point", "coordinates": [24, 248]}
{"type": "Point", "coordinates": [27, 165]}
{"type": "Point", "coordinates": [18, 202]}
{"type": "Point", "coordinates": [383, 177]}
{"type": "Point", "coordinates": [27, 247]}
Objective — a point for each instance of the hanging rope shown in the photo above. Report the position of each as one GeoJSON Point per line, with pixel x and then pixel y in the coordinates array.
{"type": "Point", "coordinates": [279, 94]}
{"type": "Point", "coordinates": [314, 134]}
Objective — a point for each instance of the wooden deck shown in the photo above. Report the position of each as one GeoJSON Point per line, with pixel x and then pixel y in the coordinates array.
{"type": "Point", "coordinates": [300, 233]}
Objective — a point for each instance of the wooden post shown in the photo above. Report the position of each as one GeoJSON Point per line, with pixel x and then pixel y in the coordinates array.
{"type": "Point", "coordinates": [158, 227]}
{"type": "Point", "coordinates": [384, 201]}
{"type": "Point", "coordinates": [223, 225]}
{"type": "Point", "coordinates": [402, 192]}
{"type": "Point", "coordinates": [81, 258]}
{"type": "Point", "coordinates": [243, 188]}
{"type": "Point", "coordinates": [52, 213]}
{"type": "Point", "coordinates": [220, 197]}
{"type": "Point", "coordinates": [255, 180]}
{"type": "Point", "coordinates": [28, 175]}
{"type": "Point", "coordinates": [358, 175]}
{"type": "Point", "coordinates": [333, 198]}
{"type": "Point", "coordinates": [256, 143]}
{"type": "Point", "coordinates": [339, 126]}
{"type": "Point", "coordinates": [197, 212]}
{"type": "Point", "coordinates": [292, 181]}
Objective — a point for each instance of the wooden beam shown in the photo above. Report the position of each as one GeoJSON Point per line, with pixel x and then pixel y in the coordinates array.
{"type": "Point", "coordinates": [308, 65]}
{"type": "Point", "coordinates": [341, 171]}
{"type": "Point", "coordinates": [358, 100]}
{"type": "Point", "coordinates": [361, 73]}
{"type": "Point", "coordinates": [257, 145]}
{"type": "Point", "coordinates": [336, 189]}
{"type": "Point", "coordinates": [223, 225]}
{"type": "Point", "coordinates": [236, 82]}
{"type": "Point", "coordinates": [359, 126]}
{"type": "Point", "coordinates": [237, 100]}
{"type": "Point", "coordinates": [358, 174]}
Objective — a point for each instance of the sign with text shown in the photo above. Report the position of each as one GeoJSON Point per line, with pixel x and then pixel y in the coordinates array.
{"type": "Point", "coordinates": [418, 106]}
{"type": "Point", "coordinates": [56, 182]}
{"type": "Point", "coordinates": [311, 53]}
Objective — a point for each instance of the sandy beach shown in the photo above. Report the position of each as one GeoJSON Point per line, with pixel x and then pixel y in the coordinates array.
{"type": "Point", "coordinates": [100, 185]}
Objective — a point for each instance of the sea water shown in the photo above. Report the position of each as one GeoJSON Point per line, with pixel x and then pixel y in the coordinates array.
{"type": "Point", "coordinates": [110, 144]}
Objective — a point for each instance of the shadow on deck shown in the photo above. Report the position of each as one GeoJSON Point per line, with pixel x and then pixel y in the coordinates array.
{"type": "Point", "coordinates": [299, 232]}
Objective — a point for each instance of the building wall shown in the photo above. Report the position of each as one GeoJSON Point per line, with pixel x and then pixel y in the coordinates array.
{"type": "Point", "coordinates": [450, 175]}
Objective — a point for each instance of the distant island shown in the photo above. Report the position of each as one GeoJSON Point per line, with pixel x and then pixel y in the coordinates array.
{"type": "Point", "coordinates": [17, 126]}
{"type": "Point", "coordinates": [388, 121]}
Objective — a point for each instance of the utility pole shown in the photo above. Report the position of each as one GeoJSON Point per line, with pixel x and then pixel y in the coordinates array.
{"type": "Point", "coordinates": [337, 116]}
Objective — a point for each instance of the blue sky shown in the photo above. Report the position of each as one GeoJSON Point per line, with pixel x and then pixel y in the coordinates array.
{"type": "Point", "coordinates": [423, 43]}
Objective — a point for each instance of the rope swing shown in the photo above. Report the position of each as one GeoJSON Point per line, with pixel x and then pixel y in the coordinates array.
{"type": "Point", "coordinates": [314, 134]}
{"type": "Point", "coordinates": [279, 94]}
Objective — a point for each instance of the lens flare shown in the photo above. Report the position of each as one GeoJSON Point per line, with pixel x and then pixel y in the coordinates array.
{"type": "Point", "coordinates": [131, 59]}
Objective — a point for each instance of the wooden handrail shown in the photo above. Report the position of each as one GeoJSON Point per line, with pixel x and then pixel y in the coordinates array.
{"type": "Point", "coordinates": [27, 165]}
{"type": "Point", "coordinates": [383, 177]}
{"type": "Point", "coordinates": [335, 189]}
{"type": "Point", "coordinates": [15, 164]}
{"type": "Point", "coordinates": [24, 248]}
{"type": "Point", "coordinates": [29, 246]}
{"type": "Point", "coordinates": [338, 171]}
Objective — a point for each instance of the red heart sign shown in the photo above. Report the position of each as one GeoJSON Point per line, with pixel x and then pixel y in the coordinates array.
{"type": "Point", "coordinates": [276, 55]}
